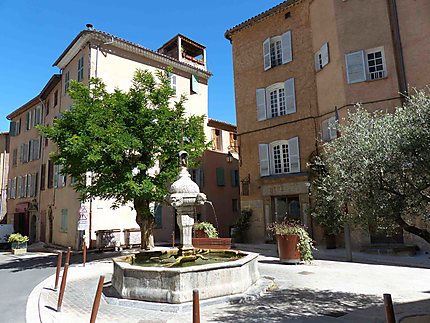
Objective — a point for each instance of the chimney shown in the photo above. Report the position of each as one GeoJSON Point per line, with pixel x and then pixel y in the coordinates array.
{"type": "Point", "coordinates": [89, 26]}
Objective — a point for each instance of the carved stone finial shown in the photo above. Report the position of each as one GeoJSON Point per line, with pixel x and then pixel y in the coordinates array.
{"type": "Point", "coordinates": [183, 156]}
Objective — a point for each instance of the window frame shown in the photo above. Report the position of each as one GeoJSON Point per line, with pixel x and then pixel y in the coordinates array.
{"type": "Point", "coordinates": [66, 82]}
{"type": "Point", "coordinates": [384, 66]}
{"type": "Point", "coordinates": [81, 69]}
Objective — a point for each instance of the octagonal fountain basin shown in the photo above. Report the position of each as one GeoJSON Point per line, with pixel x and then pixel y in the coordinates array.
{"type": "Point", "coordinates": [217, 277]}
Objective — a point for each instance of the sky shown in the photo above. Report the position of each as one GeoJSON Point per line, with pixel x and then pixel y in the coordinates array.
{"type": "Point", "coordinates": [33, 34]}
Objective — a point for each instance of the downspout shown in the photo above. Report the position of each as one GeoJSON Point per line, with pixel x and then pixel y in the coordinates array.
{"type": "Point", "coordinates": [398, 50]}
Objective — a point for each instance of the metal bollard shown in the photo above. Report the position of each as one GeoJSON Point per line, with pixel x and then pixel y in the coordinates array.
{"type": "Point", "coordinates": [196, 306]}
{"type": "Point", "coordinates": [62, 287]}
{"type": "Point", "coordinates": [57, 272]}
{"type": "Point", "coordinates": [68, 255]}
{"type": "Point", "coordinates": [84, 253]}
{"type": "Point", "coordinates": [96, 303]}
{"type": "Point", "coordinates": [389, 310]}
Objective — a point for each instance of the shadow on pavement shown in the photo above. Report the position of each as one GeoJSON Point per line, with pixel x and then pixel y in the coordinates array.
{"type": "Point", "coordinates": [302, 305]}
{"type": "Point", "coordinates": [39, 261]}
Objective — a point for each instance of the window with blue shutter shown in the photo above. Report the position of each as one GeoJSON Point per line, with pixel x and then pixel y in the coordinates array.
{"type": "Point", "coordinates": [234, 177]}
{"type": "Point", "coordinates": [220, 181]}
{"type": "Point", "coordinates": [158, 215]}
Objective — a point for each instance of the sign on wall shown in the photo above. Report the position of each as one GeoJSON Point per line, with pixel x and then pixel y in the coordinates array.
{"type": "Point", "coordinates": [83, 222]}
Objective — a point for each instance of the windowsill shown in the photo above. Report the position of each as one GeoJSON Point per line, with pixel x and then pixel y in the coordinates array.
{"type": "Point", "coordinates": [278, 117]}
{"type": "Point", "coordinates": [277, 176]}
{"type": "Point", "coordinates": [367, 81]}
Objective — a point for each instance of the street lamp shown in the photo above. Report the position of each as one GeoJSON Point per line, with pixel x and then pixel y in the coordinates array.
{"type": "Point", "coordinates": [229, 158]}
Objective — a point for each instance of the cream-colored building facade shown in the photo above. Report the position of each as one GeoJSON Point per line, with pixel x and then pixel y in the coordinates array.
{"type": "Point", "coordinates": [49, 209]}
{"type": "Point", "coordinates": [4, 171]}
{"type": "Point", "coordinates": [294, 64]}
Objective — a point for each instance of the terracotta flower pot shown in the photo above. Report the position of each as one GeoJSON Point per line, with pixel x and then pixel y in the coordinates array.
{"type": "Point", "coordinates": [287, 248]}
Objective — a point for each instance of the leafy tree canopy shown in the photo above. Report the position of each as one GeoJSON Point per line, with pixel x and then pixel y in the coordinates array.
{"type": "Point", "coordinates": [128, 141]}
{"type": "Point", "coordinates": [380, 168]}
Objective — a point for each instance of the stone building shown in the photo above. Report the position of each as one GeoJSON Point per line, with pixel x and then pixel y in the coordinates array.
{"type": "Point", "coordinates": [42, 201]}
{"type": "Point", "coordinates": [293, 65]}
{"type": "Point", "coordinates": [4, 170]}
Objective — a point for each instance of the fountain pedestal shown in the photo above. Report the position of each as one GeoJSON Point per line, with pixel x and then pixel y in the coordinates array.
{"type": "Point", "coordinates": [185, 221]}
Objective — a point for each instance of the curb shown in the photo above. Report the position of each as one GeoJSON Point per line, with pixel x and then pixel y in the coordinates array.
{"type": "Point", "coordinates": [32, 312]}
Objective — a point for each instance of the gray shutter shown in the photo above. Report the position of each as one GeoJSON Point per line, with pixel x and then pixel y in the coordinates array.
{"type": "Point", "coordinates": [263, 150]}
{"type": "Point", "coordinates": [317, 61]}
{"type": "Point", "coordinates": [266, 54]}
{"type": "Point", "coordinates": [261, 104]}
{"type": "Point", "coordinates": [12, 129]}
{"type": "Point", "coordinates": [294, 155]}
{"type": "Point", "coordinates": [290, 96]}
{"type": "Point", "coordinates": [324, 131]}
{"type": "Point", "coordinates": [324, 55]}
{"type": "Point", "coordinates": [355, 67]}
{"type": "Point", "coordinates": [287, 52]}
{"type": "Point", "coordinates": [30, 150]}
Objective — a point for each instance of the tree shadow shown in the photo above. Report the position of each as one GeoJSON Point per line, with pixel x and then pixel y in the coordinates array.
{"type": "Point", "coordinates": [40, 261]}
{"type": "Point", "coordinates": [302, 305]}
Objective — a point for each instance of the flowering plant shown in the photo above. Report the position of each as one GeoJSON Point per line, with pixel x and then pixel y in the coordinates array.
{"type": "Point", "coordinates": [294, 227]}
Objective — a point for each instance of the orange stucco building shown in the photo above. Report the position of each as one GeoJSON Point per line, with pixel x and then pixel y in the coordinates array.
{"type": "Point", "coordinates": [294, 64]}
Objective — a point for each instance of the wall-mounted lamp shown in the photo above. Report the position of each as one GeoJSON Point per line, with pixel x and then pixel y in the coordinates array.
{"type": "Point", "coordinates": [230, 156]}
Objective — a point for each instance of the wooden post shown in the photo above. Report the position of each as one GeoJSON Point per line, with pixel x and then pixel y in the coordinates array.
{"type": "Point", "coordinates": [96, 303]}
{"type": "Point", "coordinates": [62, 287]}
{"type": "Point", "coordinates": [68, 255]}
{"type": "Point", "coordinates": [173, 239]}
{"type": "Point", "coordinates": [84, 253]}
{"type": "Point", "coordinates": [57, 272]}
{"type": "Point", "coordinates": [389, 310]}
{"type": "Point", "coordinates": [196, 306]}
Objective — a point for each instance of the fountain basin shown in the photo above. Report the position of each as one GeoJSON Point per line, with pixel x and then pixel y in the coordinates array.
{"type": "Point", "coordinates": [176, 285]}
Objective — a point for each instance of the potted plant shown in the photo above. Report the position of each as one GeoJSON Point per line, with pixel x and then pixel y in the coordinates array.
{"type": "Point", "coordinates": [241, 226]}
{"type": "Point", "coordinates": [294, 242]}
{"type": "Point", "coordinates": [205, 230]}
{"type": "Point", "coordinates": [18, 243]}
{"type": "Point", "coordinates": [206, 237]}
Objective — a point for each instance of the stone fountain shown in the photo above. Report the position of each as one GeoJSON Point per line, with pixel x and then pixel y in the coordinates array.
{"type": "Point", "coordinates": [171, 274]}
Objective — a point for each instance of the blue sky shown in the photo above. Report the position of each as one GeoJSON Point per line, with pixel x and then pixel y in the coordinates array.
{"type": "Point", "coordinates": [34, 33]}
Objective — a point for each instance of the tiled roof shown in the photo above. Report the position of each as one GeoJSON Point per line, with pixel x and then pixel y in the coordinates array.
{"type": "Point", "coordinates": [216, 123]}
{"type": "Point", "coordinates": [108, 36]}
{"type": "Point", "coordinates": [259, 17]}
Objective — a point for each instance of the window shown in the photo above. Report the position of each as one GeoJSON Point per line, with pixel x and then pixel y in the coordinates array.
{"type": "Point", "coordinates": [66, 81]}
{"type": "Point", "coordinates": [235, 205]}
{"type": "Point", "coordinates": [365, 65]}
{"type": "Point", "coordinates": [279, 157]}
{"type": "Point", "coordinates": [217, 139]}
{"type": "Point", "coordinates": [80, 69]}
{"type": "Point", "coordinates": [59, 178]}
{"type": "Point", "coordinates": [277, 50]}
{"type": "Point", "coordinates": [220, 176]}
{"type": "Point", "coordinates": [12, 188]}
{"type": "Point", "coordinates": [173, 82]}
{"type": "Point", "coordinates": [158, 215]}
{"type": "Point", "coordinates": [194, 84]}
{"type": "Point", "coordinates": [322, 57]}
{"type": "Point", "coordinates": [234, 177]}
{"type": "Point", "coordinates": [55, 98]}
{"type": "Point", "coordinates": [197, 176]}
{"type": "Point", "coordinates": [276, 100]}
{"type": "Point", "coordinates": [15, 157]}
{"type": "Point", "coordinates": [29, 117]}
{"type": "Point", "coordinates": [234, 147]}
{"type": "Point", "coordinates": [328, 129]}
{"type": "Point", "coordinates": [64, 220]}
{"type": "Point", "coordinates": [15, 128]}
{"type": "Point", "coordinates": [42, 176]}
{"type": "Point", "coordinates": [47, 107]}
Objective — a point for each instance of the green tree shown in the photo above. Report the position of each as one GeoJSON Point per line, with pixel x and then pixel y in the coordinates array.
{"type": "Point", "coordinates": [380, 168]}
{"type": "Point", "coordinates": [128, 141]}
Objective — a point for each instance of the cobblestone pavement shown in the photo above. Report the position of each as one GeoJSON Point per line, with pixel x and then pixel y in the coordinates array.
{"type": "Point", "coordinates": [323, 291]}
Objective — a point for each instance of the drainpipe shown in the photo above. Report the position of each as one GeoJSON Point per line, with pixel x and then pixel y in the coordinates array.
{"type": "Point", "coordinates": [397, 46]}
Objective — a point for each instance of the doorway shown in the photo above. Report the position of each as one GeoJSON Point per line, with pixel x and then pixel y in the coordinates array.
{"type": "Point", "coordinates": [285, 207]}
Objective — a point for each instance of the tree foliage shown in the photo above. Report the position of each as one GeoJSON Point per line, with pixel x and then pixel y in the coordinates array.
{"type": "Point", "coordinates": [128, 141]}
{"type": "Point", "coordinates": [380, 168]}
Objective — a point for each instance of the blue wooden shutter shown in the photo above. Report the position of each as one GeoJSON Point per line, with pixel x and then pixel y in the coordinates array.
{"type": "Point", "coordinates": [64, 220]}
{"type": "Point", "coordinates": [266, 54]}
{"type": "Point", "coordinates": [290, 96]}
{"type": "Point", "coordinates": [220, 176]}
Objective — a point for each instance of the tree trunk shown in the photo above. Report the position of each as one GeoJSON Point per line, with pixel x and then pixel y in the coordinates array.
{"type": "Point", "coordinates": [145, 220]}
{"type": "Point", "coordinates": [414, 230]}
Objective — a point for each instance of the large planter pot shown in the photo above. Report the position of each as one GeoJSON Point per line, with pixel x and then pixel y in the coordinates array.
{"type": "Point", "coordinates": [200, 233]}
{"type": "Point", "coordinates": [19, 247]}
{"type": "Point", "coordinates": [288, 249]}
